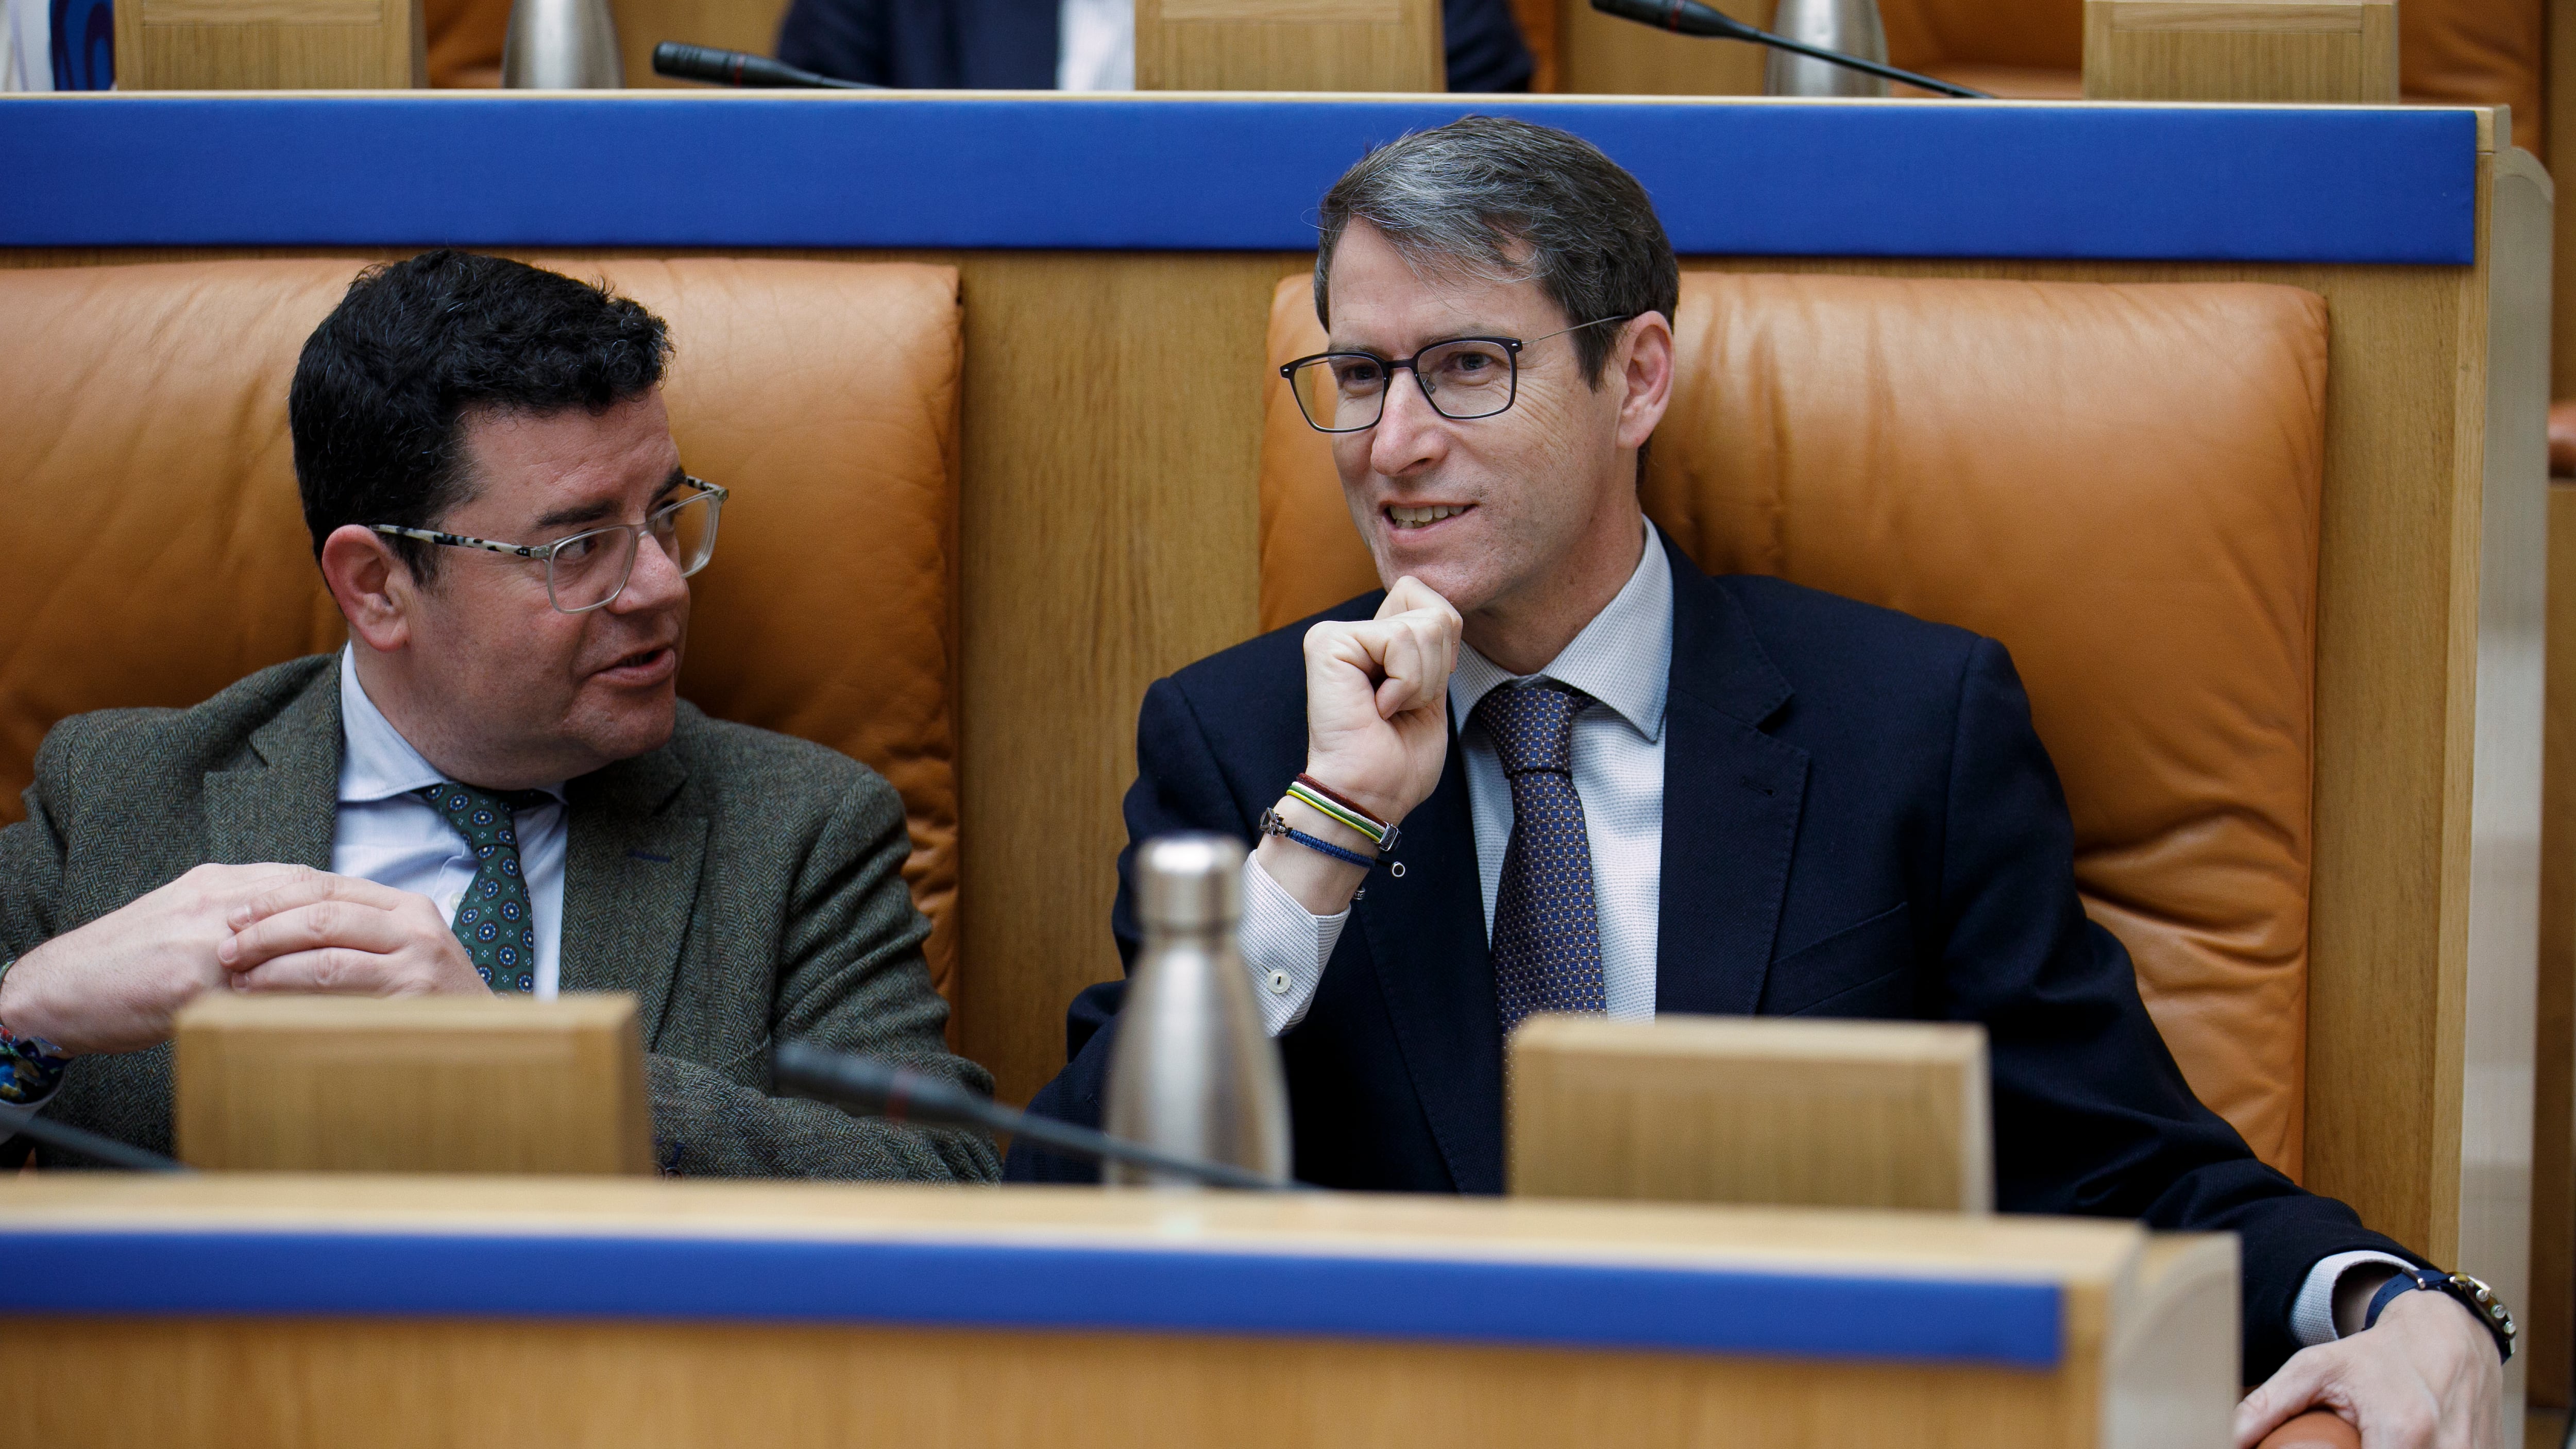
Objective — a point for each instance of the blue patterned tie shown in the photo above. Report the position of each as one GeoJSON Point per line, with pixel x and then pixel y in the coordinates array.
{"type": "Point", "coordinates": [1547, 936]}
{"type": "Point", "coordinates": [493, 920]}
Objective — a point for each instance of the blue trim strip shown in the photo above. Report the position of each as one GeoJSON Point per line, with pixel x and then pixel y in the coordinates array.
{"type": "Point", "coordinates": [1568, 1305]}
{"type": "Point", "coordinates": [2276, 184]}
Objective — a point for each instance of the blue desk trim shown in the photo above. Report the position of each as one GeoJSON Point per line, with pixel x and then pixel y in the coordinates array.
{"type": "Point", "coordinates": [2256, 184]}
{"type": "Point", "coordinates": [1559, 1305]}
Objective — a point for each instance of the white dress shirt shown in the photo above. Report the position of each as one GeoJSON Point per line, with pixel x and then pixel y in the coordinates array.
{"type": "Point", "coordinates": [1623, 659]}
{"type": "Point", "coordinates": [1095, 47]}
{"type": "Point", "coordinates": [389, 835]}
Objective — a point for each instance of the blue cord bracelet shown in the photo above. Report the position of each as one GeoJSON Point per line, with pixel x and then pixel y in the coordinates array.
{"type": "Point", "coordinates": [1271, 824]}
{"type": "Point", "coordinates": [1329, 848]}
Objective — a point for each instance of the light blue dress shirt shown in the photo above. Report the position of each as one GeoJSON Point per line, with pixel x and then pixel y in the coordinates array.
{"type": "Point", "coordinates": [389, 835]}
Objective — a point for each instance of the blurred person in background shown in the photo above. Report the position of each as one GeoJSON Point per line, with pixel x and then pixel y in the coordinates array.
{"type": "Point", "coordinates": [1071, 45]}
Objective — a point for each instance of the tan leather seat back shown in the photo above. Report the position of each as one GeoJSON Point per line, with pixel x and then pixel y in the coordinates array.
{"type": "Point", "coordinates": [464, 39]}
{"type": "Point", "coordinates": [2120, 483]}
{"type": "Point", "coordinates": [2477, 53]}
{"type": "Point", "coordinates": [2046, 34]}
{"type": "Point", "coordinates": [2452, 52]}
{"type": "Point", "coordinates": [159, 552]}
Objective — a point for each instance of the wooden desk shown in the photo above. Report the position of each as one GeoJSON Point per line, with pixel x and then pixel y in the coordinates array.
{"type": "Point", "coordinates": [1109, 519]}
{"type": "Point", "coordinates": [263, 1309]}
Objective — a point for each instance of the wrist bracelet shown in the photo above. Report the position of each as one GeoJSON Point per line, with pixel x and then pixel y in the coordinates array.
{"type": "Point", "coordinates": [1271, 824]}
{"type": "Point", "coordinates": [1324, 800]}
{"type": "Point", "coordinates": [2470, 1293]}
{"type": "Point", "coordinates": [30, 1066]}
{"type": "Point", "coordinates": [2398, 1282]}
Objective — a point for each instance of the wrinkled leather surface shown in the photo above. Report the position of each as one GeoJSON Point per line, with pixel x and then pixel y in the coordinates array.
{"type": "Point", "coordinates": [2118, 482]}
{"type": "Point", "coordinates": [158, 552]}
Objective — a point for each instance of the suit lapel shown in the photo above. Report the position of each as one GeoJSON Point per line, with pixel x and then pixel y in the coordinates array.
{"type": "Point", "coordinates": [286, 807]}
{"type": "Point", "coordinates": [630, 882]}
{"type": "Point", "coordinates": [1732, 796]}
{"type": "Point", "coordinates": [1426, 937]}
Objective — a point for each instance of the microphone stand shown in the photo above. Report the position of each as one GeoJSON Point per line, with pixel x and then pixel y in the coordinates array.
{"type": "Point", "coordinates": [684, 61]}
{"type": "Point", "coordinates": [1689, 17]}
{"type": "Point", "coordinates": [89, 1144]}
{"type": "Point", "coordinates": [902, 1095]}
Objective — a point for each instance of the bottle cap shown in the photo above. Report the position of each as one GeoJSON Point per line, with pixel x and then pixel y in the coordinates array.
{"type": "Point", "coordinates": [1189, 883]}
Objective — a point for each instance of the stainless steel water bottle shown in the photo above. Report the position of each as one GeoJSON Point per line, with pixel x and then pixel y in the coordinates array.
{"type": "Point", "coordinates": [561, 45]}
{"type": "Point", "coordinates": [1850, 26]}
{"type": "Point", "coordinates": [1193, 1073]}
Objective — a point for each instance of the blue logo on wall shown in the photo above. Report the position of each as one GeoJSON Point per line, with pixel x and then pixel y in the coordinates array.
{"type": "Point", "coordinates": [84, 45]}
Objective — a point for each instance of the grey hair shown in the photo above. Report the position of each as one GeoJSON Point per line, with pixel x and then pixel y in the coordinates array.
{"type": "Point", "coordinates": [1506, 201]}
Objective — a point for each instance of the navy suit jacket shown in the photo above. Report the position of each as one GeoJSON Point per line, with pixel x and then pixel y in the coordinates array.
{"type": "Point", "coordinates": [1011, 44]}
{"type": "Point", "coordinates": [1859, 821]}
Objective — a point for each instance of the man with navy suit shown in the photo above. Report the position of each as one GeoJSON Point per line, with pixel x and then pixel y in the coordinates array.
{"type": "Point", "coordinates": [1075, 45]}
{"type": "Point", "coordinates": [1624, 786]}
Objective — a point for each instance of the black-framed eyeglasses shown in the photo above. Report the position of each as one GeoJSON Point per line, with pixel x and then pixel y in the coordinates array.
{"type": "Point", "coordinates": [1463, 379]}
{"type": "Point", "coordinates": [590, 569]}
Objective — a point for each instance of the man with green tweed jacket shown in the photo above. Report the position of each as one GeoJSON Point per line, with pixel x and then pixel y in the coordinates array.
{"type": "Point", "coordinates": [494, 787]}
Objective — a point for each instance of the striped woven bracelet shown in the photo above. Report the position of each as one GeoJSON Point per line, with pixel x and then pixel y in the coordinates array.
{"type": "Point", "coordinates": [1322, 799]}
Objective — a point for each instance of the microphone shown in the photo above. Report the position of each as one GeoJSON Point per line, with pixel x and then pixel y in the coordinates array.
{"type": "Point", "coordinates": [740, 68]}
{"type": "Point", "coordinates": [1690, 17]}
{"type": "Point", "coordinates": [902, 1095]}
{"type": "Point", "coordinates": [89, 1144]}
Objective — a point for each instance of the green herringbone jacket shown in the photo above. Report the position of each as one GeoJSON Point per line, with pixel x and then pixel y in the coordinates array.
{"type": "Point", "coordinates": [745, 886]}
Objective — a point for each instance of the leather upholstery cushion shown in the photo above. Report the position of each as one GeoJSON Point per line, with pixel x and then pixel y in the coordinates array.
{"type": "Point", "coordinates": [158, 552]}
{"type": "Point", "coordinates": [2450, 52]}
{"type": "Point", "coordinates": [464, 39]}
{"type": "Point", "coordinates": [2476, 53]}
{"type": "Point", "coordinates": [2120, 483]}
{"type": "Point", "coordinates": [2041, 34]}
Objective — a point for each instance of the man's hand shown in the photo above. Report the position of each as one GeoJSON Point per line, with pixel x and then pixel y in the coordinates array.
{"type": "Point", "coordinates": [114, 984]}
{"type": "Point", "coordinates": [1377, 695]}
{"type": "Point", "coordinates": [311, 930]}
{"type": "Point", "coordinates": [2426, 1377]}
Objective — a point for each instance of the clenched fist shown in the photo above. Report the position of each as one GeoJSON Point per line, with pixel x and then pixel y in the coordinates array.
{"type": "Point", "coordinates": [1377, 732]}
{"type": "Point", "coordinates": [1377, 700]}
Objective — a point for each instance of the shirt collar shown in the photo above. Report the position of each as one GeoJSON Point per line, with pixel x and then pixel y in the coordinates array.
{"type": "Point", "coordinates": [377, 763]}
{"type": "Point", "coordinates": [1623, 658]}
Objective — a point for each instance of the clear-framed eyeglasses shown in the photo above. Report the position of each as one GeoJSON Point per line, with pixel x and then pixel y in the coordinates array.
{"type": "Point", "coordinates": [590, 569]}
{"type": "Point", "coordinates": [1463, 379]}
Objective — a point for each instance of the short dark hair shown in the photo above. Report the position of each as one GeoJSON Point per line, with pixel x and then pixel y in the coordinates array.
{"type": "Point", "coordinates": [1509, 201]}
{"type": "Point", "coordinates": [384, 383]}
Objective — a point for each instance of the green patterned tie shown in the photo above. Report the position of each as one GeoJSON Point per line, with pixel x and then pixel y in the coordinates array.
{"type": "Point", "coordinates": [493, 920]}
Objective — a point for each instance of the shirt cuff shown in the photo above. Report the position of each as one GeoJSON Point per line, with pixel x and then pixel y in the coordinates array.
{"type": "Point", "coordinates": [2312, 1312]}
{"type": "Point", "coordinates": [1285, 947]}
